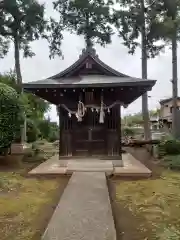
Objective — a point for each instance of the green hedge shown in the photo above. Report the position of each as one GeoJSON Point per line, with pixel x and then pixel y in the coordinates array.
{"type": "Point", "coordinates": [10, 115]}
{"type": "Point", "coordinates": [128, 131]}
{"type": "Point", "coordinates": [169, 147]}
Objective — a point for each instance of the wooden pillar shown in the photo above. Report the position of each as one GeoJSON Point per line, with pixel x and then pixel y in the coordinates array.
{"type": "Point", "coordinates": [118, 162]}
{"type": "Point", "coordinates": [119, 132]}
{"type": "Point", "coordinates": [60, 131]}
{"type": "Point", "coordinates": [63, 161]}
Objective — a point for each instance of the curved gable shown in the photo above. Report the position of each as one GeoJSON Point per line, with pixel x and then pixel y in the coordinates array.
{"type": "Point", "coordinates": [88, 64]}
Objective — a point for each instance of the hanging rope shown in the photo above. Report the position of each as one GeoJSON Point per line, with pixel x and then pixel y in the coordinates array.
{"type": "Point", "coordinates": [102, 113]}
{"type": "Point", "coordinates": [82, 109]}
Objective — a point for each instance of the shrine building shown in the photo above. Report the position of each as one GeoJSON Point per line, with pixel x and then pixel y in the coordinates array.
{"type": "Point", "coordinates": [89, 95]}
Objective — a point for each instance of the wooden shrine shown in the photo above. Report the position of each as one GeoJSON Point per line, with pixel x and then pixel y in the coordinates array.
{"type": "Point", "coordinates": [89, 95]}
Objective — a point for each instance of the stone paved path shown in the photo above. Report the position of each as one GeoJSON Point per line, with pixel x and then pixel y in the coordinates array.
{"type": "Point", "coordinates": [84, 211]}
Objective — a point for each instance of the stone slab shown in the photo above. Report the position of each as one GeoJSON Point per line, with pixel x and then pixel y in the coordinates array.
{"type": "Point", "coordinates": [132, 167]}
{"type": "Point", "coordinates": [89, 166]}
{"type": "Point", "coordinates": [84, 211]}
{"type": "Point", "coordinates": [51, 166]}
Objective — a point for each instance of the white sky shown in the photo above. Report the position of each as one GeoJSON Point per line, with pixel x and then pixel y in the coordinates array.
{"type": "Point", "coordinates": [115, 55]}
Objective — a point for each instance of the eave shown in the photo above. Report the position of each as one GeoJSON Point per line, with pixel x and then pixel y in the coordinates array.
{"type": "Point", "coordinates": [94, 81]}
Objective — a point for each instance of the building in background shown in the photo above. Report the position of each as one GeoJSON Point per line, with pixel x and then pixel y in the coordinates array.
{"type": "Point", "coordinates": [166, 107]}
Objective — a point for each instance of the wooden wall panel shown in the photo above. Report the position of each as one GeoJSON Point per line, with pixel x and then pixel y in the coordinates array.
{"type": "Point", "coordinates": [90, 137]}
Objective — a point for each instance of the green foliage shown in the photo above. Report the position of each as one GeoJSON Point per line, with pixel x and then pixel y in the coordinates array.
{"type": "Point", "coordinates": [24, 20]}
{"type": "Point", "coordinates": [9, 79]}
{"type": "Point", "coordinates": [55, 37]}
{"type": "Point", "coordinates": [10, 115]}
{"type": "Point", "coordinates": [172, 161]}
{"type": "Point", "coordinates": [169, 147]}
{"type": "Point", "coordinates": [169, 18]}
{"type": "Point", "coordinates": [4, 47]}
{"type": "Point", "coordinates": [137, 119]}
{"type": "Point", "coordinates": [128, 20]}
{"type": "Point", "coordinates": [87, 18]}
{"type": "Point", "coordinates": [128, 131]}
{"type": "Point", "coordinates": [35, 107]}
{"type": "Point", "coordinates": [133, 119]}
{"type": "Point", "coordinates": [32, 131]}
{"type": "Point", "coordinates": [21, 22]}
{"type": "Point", "coordinates": [49, 130]}
{"type": "Point", "coordinates": [53, 136]}
{"type": "Point", "coordinates": [154, 113]}
{"type": "Point", "coordinates": [42, 150]}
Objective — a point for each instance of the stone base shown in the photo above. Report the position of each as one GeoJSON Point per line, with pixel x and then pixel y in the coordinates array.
{"type": "Point", "coordinates": [117, 163]}
{"type": "Point", "coordinates": [63, 163]}
{"type": "Point", "coordinates": [18, 148]}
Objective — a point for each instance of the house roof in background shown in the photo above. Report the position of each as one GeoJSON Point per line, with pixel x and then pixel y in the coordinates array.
{"type": "Point", "coordinates": [164, 101]}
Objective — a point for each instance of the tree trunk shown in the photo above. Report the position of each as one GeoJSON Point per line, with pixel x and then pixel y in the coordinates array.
{"type": "Point", "coordinates": [19, 81]}
{"type": "Point", "coordinates": [145, 112]}
{"type": "Point", "coordinates": [174, 86]}
{"type": "Point", "coordinates": [17, 62]}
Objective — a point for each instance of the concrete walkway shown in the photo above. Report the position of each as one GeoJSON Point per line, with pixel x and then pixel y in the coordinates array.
{"type": "Point", "coordinates": [84, 211]}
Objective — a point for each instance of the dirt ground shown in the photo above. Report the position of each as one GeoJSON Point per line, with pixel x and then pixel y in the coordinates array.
{"type": "Point", "coordinates": [126, 223]}
{"type": "Point", "coordinates": [27, 204]}
{"type": "Point", "coordinates": [147, 209]}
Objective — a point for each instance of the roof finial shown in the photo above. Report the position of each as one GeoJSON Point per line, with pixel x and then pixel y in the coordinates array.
{"type": "Point", "coordinates": [89, 50]}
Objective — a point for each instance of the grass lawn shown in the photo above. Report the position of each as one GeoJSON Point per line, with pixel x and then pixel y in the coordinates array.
{"type": "Point", "coordinates": [149, 209]}
{"type": "Point", "coordinates": [26, 205]}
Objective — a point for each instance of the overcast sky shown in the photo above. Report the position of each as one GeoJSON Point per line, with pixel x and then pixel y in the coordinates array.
{"type": "Point", "coordinates": [115, 55]}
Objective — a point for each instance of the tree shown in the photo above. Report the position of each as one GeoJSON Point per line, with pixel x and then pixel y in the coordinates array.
{"type": "Point", "coordinates": [154, 113]}
{"type": "Point", "coordinates": [133, 119]}
{"type": "Point", "coordinates": [170, 33]}
{"type": "Point", "coordinates": [10, 116]}
{"type": "Point", "coordinates": [4, 47]}
{"type": "Point", "coordinates": [133, 21]}
{"type": "Point", "coordinates": [49, 130]}
{"type": "Point", "coordinates": [137, 118]}
{"type": "Point", "coordinates": [87, 18]}
{"type": "Point", "coordinates": [21, 21]}
{"type": "Point", "coordinates": [32, 131]}
{"type": "Point", "coordinates": [34, 107]}
{"type": "Point", "coordinates": [167, 29]}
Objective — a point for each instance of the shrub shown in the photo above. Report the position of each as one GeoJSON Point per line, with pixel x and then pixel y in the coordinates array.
{"type": "Point", "coordinates": [170, 147]}
{"type": "Point", "coordinates": [53, 137]}
{"type": "Point", "coordinates": [44, 151]}
{"type": "Point", "coordinates": [32, 131]}
{"type": "Point", "coordinates": [127, 131]}
{"type": "Point", "coordinates": [172, 161]}
{"type": "Point", "coordinates": [10, 115]}
{"type": "Point", "coordinates": [40, 142]}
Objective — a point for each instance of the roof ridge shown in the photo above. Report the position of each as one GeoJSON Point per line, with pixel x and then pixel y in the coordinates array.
{"type": "Point", "coordinates": [85, 53]}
